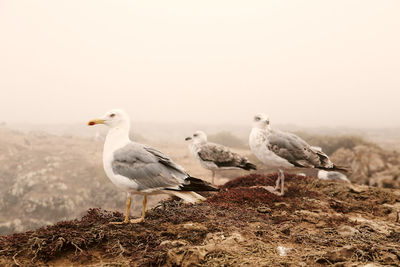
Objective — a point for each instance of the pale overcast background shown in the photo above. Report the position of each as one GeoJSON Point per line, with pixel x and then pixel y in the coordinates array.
{"type": "Point", "coordinates": [310, 63]}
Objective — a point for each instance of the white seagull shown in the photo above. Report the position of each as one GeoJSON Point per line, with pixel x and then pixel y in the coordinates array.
{"type": "Point", "coordinates": [141, 169]}
{"type": "Point", "coordinates": [214, 157]}
{"type": "Point", "coordinates": [281, 150]}
{"type": "Point", "coordinates": [332, 175]}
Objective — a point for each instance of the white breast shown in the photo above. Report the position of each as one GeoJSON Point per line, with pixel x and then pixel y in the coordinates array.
{"type": "Point", "coordinates": [116, 139]}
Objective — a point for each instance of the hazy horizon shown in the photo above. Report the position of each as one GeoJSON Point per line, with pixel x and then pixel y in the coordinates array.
{"type": "Point", "coordinates": [310, 64]}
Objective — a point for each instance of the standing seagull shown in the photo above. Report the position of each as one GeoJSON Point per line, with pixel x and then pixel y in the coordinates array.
{"type": "Point", "coordinates": [141, 169]}
{"type": "Point", "coordinates": [283, 150]}
{"type": "Point", "coordinates": [216, 157]}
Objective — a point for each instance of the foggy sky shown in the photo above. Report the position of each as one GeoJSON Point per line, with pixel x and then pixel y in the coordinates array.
{"type": "Point", "coordinates": [327, 63]}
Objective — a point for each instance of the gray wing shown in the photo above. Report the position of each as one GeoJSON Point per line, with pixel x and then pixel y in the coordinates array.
{"type": "Point", "coordinates": [297, 151]}
{"type": "Point", "coordinates": [223, 157]}
{"type": "Point", "coordinates": [148, 167]}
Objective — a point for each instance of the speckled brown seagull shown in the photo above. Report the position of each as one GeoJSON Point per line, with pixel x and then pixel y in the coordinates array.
{"type": "Point", "coordinates": [214, 157]}
{"type": "Point", "coordinates": [141, 169]}
{"type": "Point", "coordinates": [281, 150]}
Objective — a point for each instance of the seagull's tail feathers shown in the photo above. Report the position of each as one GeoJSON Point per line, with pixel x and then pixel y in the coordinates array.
{"type": "Point", "coordinates": [196, 184]}
{"type": "Point", "coordinates": [337, 168]}
{"type": "Point", "coordinates": [341, 168]}
{"type": "Point", "coordinates": [249, 166]}
{"type": "Point", "coordinates": [186, 190]}
{"type": "Point", "coordinates": [326, 163]}
{"type": "Point", "coordinates": [188, 196]}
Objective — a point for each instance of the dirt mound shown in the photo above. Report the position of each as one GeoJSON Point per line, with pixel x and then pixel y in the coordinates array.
{"type": "Point", "coordinates": [315, 223]}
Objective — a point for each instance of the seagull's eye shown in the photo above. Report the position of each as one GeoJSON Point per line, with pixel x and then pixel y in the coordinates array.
{"type": "Point", "coordinates": [195, 135]}
{"type": "Point", "coordinates": [257, 118]}
{"type": "Point", "coordinates": [112, 115]}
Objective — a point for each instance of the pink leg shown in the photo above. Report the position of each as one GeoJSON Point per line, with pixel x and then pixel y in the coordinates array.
{"type": "Point", "coordinates": [280, 180]}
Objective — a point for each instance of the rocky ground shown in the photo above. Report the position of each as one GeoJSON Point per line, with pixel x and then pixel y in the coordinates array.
{"type": "Point", "coordinates": [316, 223]}
{"type": "Point", "coordinates": [43, 179]}
{"type": "Point", "coordinates": [370, 165]}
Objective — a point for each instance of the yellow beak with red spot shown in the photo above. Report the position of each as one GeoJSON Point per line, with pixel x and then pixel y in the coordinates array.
{"type": "Point", "coordinates": [95, 121]}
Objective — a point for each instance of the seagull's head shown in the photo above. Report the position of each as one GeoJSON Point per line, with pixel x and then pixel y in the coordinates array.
{"type": "Point", "coordinates": [198, 137]}
{"type": "Point", "coordinates": [260, 121]}
{"type": "Point", "coordinates": [115, 118]}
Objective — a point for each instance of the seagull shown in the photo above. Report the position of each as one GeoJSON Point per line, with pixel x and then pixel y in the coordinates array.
{"type": "Point", "coordinates": [332, 175]}
{"type": "Point", "coordinates": [216, 157]}
{"type": "Point", "coordinates": [140, 169]}
{"type": "Point", "coordinates": [282, 150]}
